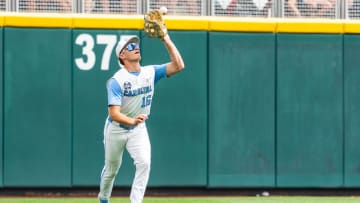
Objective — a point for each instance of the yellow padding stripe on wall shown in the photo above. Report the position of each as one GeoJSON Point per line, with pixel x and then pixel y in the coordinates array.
{"type": "Point", "coordinates": [233, 24]}
{"type": "Point", "coordinates": [2, 19]}
{"type": "Point", "coordinates": [37, 20]}
{"type": "Point", "coordinates": [108, 21]}
{"type": "Point", "coordinates": [186, 22]}
{"type": "Point", "coordinates": [352, 27]}
{"type": "Point", "coordinates": [224, 24]}
{"type": "Point", "coordinates": [310, 26]}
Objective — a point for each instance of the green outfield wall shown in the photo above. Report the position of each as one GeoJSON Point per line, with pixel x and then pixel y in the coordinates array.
{"type": "Point", "coordinates": [1, 110]}
{"type": "Point", "coordinates": [261, 103]}
{"type": "Point", "coordinates": [351, 110]}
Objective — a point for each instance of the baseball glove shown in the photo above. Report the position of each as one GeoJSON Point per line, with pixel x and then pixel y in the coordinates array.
{"type": "Point", "coordinates": [154, 25]}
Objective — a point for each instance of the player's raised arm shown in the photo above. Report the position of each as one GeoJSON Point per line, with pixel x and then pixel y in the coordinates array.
{"type": "Point", "coordinates": [176, 64]}
{"type": "Point", "coordinates": [154, 27]}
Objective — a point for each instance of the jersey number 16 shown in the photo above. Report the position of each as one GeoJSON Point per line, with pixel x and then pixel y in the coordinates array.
{"type": "Point", "coordinates": [146, 101]}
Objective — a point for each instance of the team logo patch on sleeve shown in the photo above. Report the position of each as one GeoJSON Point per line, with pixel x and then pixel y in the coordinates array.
{"type": "Point", "coordinates": [127, 86]}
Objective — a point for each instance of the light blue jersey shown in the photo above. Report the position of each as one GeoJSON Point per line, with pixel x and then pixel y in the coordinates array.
{"type": "Point", "coordinates": [134, 91]}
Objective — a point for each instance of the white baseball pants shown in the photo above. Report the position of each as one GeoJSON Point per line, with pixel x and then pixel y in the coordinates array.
{"type": "Point", "coordinates": [136, 142]}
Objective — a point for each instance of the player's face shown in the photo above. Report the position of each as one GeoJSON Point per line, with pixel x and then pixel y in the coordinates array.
{"type": "Point", "coordinates": [132, 52]}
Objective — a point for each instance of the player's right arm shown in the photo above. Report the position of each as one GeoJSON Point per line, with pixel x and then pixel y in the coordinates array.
{"type": "Point", "coordinates": [114, 105]}
{"type": "Point", "coordinates": [116, 115]}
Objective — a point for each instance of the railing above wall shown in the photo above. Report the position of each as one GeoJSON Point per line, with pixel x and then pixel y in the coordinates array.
{"type": "Point", "coordinates": [200, 23]}
{"type": "Point", "coordinates": [305, 9]}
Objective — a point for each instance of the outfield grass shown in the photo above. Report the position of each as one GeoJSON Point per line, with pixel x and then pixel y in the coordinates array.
{"type": "Point", "coordinates": [193, 200]}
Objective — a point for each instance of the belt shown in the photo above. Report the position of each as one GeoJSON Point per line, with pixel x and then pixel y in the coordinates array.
{"type": "Point", "coordinates": [126, 127]}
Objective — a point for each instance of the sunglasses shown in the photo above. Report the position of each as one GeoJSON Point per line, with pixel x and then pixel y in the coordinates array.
{"type": "Point", "coordinates": [132, 46]}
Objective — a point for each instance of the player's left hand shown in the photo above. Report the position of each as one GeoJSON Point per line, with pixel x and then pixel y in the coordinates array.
{"type": "Point", "coordinates": [154, 25]}
{"type": "Point", "coordinates": [141, 118]}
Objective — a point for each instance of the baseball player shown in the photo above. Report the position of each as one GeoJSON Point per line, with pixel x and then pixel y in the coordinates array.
{"type": "Point", "coordinates": [130, 92]}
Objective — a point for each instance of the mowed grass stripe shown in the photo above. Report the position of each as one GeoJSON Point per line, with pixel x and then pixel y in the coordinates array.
{"type": "Point", "coordinates": [292, 199]}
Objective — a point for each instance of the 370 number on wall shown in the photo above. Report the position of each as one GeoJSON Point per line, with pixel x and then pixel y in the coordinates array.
{"type": "Point", "coordinates": [89, 44]}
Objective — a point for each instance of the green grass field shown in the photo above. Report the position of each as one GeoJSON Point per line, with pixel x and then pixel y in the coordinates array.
{"type": "Point", "coordinates": [193, 200]}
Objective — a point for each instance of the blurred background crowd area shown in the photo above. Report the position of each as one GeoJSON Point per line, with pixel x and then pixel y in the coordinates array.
{"type": "Point", "coordinates": [329, 9]}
